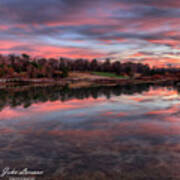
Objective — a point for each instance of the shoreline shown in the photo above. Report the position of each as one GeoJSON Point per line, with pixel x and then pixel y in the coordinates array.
{"type": "Point", "coordinates": [83, 82]}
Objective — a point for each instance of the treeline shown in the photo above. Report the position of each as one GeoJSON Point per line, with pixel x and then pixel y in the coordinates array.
{"type": "Point", "coordinates": [26, 67]}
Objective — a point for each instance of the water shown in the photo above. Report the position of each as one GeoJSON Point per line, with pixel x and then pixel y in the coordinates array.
{"type": "Point", "coordinates": [130, 132]}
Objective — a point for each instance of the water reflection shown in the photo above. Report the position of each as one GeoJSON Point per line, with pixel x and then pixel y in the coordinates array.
{"type": "Point", "coordinates": [92, 133]}
{"type": "Point", "coordinates": [26, 96]}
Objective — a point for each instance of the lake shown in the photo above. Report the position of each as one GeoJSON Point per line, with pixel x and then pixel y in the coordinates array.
{"type": "Point", "coordinates": [120, 132]}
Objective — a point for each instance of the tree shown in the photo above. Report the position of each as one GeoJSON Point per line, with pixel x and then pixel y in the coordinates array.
{"type": "Point", "coordinates": [62, 64]}
{"type": "Point", "coordinates": [65, 72]}
{"type": "Point", "coordinates": [116, 67]}
{"type": "Point", "coordinates": [94, 65]}
{"type": "Point", "coordinates": [106, 66]}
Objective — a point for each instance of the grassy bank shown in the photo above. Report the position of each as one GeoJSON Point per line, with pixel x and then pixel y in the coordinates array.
{"type": "Point", "coordinates": [112, 75]}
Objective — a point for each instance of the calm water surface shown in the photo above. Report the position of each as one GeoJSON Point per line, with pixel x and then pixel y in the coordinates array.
{"type": "Point", "coordinates": [130, 132]}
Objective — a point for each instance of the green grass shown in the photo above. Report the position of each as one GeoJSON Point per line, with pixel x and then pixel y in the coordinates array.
{"type": "Point", "coordinates": [107, 74]}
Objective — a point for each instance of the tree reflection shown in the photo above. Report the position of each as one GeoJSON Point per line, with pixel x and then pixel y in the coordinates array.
{"type": "Point", "coordinates": [26, 96]}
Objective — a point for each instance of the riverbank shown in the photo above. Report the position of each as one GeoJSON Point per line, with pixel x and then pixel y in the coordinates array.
{"type": "Point", "coordinates": [86, 79]}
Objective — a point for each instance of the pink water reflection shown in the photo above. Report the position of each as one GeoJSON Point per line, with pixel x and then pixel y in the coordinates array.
{"type": "Point", "coordinates": [89, 135]}
{"type": "Point", "coordinates": [47, 107]}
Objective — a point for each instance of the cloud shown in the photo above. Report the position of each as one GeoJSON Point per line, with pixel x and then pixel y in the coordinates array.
{"type": "Point", "coordinates": [77, 28]}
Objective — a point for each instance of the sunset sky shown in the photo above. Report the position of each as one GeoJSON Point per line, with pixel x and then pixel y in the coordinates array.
{"type": "Point", "coordinates": [145, 31]}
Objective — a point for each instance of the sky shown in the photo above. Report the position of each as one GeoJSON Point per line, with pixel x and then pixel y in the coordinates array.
{"type": "Point", "coordinates": [146, 31]}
